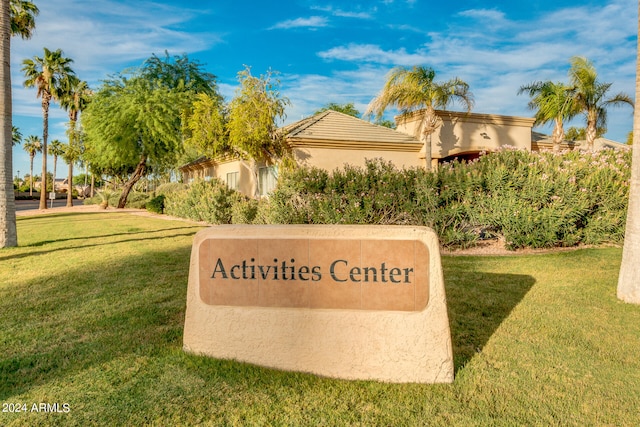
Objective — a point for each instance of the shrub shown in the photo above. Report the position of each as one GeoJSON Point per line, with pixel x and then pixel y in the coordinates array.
{"type": "Point", "coordinates": [244, 210]}
{"type": "Point", "coordinates": [208, 201]}
{"type": "Point", "coordinates": [536, 200]}
{"type": "Point", "coordinates": [170, 187]}
{"type": "Point", "coordinates": [379, 193]}
{"type": "Point", "coordinates": [156, 205]}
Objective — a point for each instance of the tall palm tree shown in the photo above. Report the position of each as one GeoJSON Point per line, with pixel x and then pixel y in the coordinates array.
{"type": "Point", "coordinates": [413, 89]}
{"type": "Point", "coordinates": [23, 18]}
{"type": "Point", "coordinates": [55, 149]}
{"type": "Point", "coordinates": [72, 154]}
{"type": "Point", "coordinates": [554, 103]}
{"type": "Point", "coordinates": [46, 74]}
{"type": "Point", "coordinates": [16, 136]}
{"type": "Point", "coordinates": [591, 96]}
{"type": "Point", "coordinates": [16, 18]}
{"type": "Point", "coordinates": [74, 98]}
{"type": "Point", "coordinates": [32, 145]}
{"type": "Point", "coordinates": [629, 278]}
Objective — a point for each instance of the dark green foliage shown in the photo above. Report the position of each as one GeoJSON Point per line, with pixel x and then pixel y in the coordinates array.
{"type": "Point", "coordinates": [156, 205]}
{"type": "Point", "coordinates": [376, 194]}
{"type": "Point", "coordinates": [209, 201]}
{"type": "Point", "coordinates": [532, 200]}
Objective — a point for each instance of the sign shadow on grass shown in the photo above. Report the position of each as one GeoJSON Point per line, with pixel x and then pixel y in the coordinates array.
{"type": "Point", "coordinates": [478, 303]}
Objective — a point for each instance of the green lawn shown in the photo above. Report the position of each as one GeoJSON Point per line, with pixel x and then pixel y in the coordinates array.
{"type": "Point", "coordinates": [92, 308]}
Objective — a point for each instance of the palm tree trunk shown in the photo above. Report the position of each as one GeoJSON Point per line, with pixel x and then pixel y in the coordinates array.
{"type": "Point", "coordinates": [138, 173]}
{"type": "Point", "coordinates": [45, 134]}
{"type": "Point", "coordinates": [55, 167]}
{"type": "Point", "coordinates": [558, 135]}
{"type": "Point", "coordinates": [31, 177]}
{"type": "Point", "coordinates": [428, 125]}
{"type": "Point", "coordinates": [70, 185]}
{"type": "Point", "coordinates": [8, 230]}
{"type": "Point", "coordinates": [591, 129]}
{"type": "Point", "coordinates": [629, 278]}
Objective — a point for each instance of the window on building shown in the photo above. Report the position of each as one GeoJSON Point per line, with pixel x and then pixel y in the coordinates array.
{"type": "Point", "coordinates": [267, 179]}
{"type": "Point", "coordinates": [232, 180]}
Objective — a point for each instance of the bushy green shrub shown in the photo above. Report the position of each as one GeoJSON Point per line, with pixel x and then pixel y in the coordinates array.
{"type": "Point", "coordinates": [379, 193]}
{"type": "Point", "coordinates": [244, 210]}
{"type": "Point", "coordinates": [533, 200]}
{"type": "Point", "coordinates": [170, 187]}
{"type": "Point", "coordinates": [156, 205]}
{"type": "Point", "coordinates": [208, 201]}
{"type": "Point", "coordinates": [135, 200]}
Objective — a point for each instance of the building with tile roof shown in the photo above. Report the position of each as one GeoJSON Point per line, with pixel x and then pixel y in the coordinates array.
{"type": "Point", "coordinates": [330, 139]}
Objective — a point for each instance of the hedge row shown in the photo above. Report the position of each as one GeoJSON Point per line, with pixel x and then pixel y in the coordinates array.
{"type": "Point", "coordinates": [532, 200]}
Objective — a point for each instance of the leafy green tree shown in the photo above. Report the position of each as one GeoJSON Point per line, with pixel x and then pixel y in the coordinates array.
{"type": "Point", "coordinates": [414, 89]}
{"type": "Point", "coordinates": [46, 74]}
{"type": "Point", "coordinates": [206, 126]}
{"type": "Point", "coordinates": [348, 109]}
{"type": "Point", "coordinates": [386, 123]}
{"type": "Point", "coordinates": [32, 145]}
{"type": "Point", "coordinates": [135, 120]}
{"type": "Point", "coordinates": [591, 96]}
{"type": "Point", "coordinates": [554, 103]}
{"type": "Point", "coordinates": [17, 17]}
{"type": "Point", "coordinates": [254, 113]}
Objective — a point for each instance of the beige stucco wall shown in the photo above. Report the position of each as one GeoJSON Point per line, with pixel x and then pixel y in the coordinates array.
{"type": "Point", "coordinates": [394, 346]}
{"type": "Point", "coordinates": [246, 179]}
{"type": "Point", "coordinates": [332, 158]}
{"type": "Point", "coordinates": [219, 169]}
{"type": "Point", "coordinates": [470, 132]}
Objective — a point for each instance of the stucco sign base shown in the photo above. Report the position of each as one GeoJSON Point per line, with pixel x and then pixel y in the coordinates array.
{"type": "Point", "coordinates": [351, 302]}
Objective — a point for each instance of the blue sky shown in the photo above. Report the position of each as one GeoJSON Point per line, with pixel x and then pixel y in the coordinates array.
{"type": "Point", "coordinates": [338, 51]}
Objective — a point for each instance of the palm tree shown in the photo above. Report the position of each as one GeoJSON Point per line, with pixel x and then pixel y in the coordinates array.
{"type": "Point", "coordinates": [71, 155]}
{"type": "Point", "coordinates": [74, 98]}
{"type": "Point", "coordinates": [554, 103]}
{"type": "Point", "coordinates": [32, 145]}
{"type": "Point", "coordinates": [629, 278]}
{"type": "Point", "coordinates": [46, 73]}
{"type": "Point", "coordinates": [16, 18]}
{"type": "Point", "coordinates": [591, 96]}
{"type": "Point", "coordinates": [55, 149]}
{"type": "Point", "coordinates": [412, 89]}
{"type": "Point", "coordinates": [16, 136]}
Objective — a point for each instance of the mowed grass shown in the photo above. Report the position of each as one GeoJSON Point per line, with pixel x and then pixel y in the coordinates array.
{"type": "Point", "coordinates": [92, 310]}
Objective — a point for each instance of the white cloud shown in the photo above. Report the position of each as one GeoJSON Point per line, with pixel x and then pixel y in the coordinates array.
{"type": "Point", "coordinates": [369, 53]}
{"type": "Point", "coordinates": [311, 22]}
{"type": "Point", "coordinates": [344, 13]}
{"type": "Point", "coordinates": [101, 35]}
{"type": "Point", "coordinates": [496, 55]}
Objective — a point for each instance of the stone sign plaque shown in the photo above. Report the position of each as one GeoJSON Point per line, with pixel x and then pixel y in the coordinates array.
{"type": "Point", "coordinates": [355, 302]}
{"type": "Point", "coordinates": [315, 273]}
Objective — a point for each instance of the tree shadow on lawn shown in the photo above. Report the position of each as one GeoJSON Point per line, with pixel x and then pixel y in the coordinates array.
{"type": "Point", "coordinates": [478, 303]}
{"type": "Point", "coordinates": [48, 340]}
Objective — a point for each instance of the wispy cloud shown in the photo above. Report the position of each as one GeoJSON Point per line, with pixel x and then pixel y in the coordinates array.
{"type": "Point", "coordinates": [110, 33]}
{"type": "Point", "coordinates": [345, 13]}
{"type": "Point", "coordinates": [369, 53]}
{"type": "Point", "coordinates": [311, 22]}
{"type": "Point", "coordinates": [496, 55]}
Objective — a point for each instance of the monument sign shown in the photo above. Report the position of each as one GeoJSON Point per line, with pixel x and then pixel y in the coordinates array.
{"type": "Point", "coordinates": [353, 302]}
